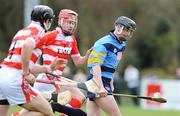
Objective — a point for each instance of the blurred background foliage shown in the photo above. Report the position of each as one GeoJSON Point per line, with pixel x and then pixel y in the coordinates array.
{"type": "Point", "coordinates": [155, 43]}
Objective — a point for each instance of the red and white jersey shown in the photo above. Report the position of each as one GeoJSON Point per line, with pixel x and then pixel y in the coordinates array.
{"type": "Point", "coordinates": [58, 45]}
{"type": "Point", "coordinates": [33, 31]}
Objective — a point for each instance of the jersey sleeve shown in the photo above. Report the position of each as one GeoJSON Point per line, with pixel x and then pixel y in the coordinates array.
{"type": "Point", "coordinates": [97, 56]}
{"type": "Point", "coordinates": [47, 39]}
{"type": "Point", "coordinates": [75, 50]}
{"type": "Point", "coordinates": [36, 36]}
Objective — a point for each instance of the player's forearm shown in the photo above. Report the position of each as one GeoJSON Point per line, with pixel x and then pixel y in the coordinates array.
{"type": "Point", "coordinates": [26, 54]}
{"type": "Point", "coordinates": [39, 69]}
{"type": "Point", "coordinates": [97, 75]}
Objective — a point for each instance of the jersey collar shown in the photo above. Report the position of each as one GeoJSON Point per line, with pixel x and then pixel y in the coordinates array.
{"type": "Point", "coordinates": [114, 37]}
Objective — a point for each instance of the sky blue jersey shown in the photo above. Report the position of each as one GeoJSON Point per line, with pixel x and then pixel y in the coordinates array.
{"type": "Point", "coordinates": [107, 52]}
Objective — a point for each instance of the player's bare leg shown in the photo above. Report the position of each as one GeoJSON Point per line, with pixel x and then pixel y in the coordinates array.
{"type": "Point", "coordinates": [92, 109]}
{"type": "Point", "coordinates": [108, 105]}
{"type": "Point", "coordinates": [32, 113]}
{"type": "Point", "coordinates": [25, 112]}
{"type": "Point", "coordinates": [38, 104]}
{"type": "Point", "coordinates": [4, 110]}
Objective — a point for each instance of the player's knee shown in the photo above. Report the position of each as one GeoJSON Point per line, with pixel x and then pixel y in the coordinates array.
{"type": "Point", "coordinates": [49, 112]}
{"type": "Point", "coordinates": [29, 113]}
{"type": "Point", "coordinates": [115, 113]}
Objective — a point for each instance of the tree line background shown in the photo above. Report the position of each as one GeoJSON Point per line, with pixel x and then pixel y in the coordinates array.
{"type": "Point", "coordinates": [155, 44]}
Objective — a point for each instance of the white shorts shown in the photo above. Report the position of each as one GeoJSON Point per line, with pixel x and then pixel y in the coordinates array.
{"type": "Point", "coordinates": [46, 87]}
{"type": "Point", "coordinates": [12, 87]}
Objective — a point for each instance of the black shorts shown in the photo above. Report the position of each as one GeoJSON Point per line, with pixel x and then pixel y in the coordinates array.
{"type": "Point", "coordinates": [107, 86]}
{"type": "Point", "coordinates": [4, 102]}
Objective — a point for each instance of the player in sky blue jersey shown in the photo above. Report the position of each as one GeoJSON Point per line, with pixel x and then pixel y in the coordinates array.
{"type": "Point", "coordinates": [102, 63]}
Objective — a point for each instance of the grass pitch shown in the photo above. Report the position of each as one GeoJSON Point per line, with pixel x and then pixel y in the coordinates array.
{"type": "Point", "coordinates": [129, 111]}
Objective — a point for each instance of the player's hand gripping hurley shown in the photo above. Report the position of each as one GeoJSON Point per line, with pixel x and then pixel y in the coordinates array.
{"type": "Point", "coordinates": [92, 87]}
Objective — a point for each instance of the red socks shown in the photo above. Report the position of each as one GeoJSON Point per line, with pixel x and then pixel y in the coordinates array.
{"type": "Point", "coordinates": [75, 103]}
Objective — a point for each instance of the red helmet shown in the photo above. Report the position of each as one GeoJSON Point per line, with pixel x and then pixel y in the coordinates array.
{"type": "Point", "coordinates": [67, 14]}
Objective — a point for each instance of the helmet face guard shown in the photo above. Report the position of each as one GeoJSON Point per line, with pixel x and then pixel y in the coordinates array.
{"type": "Point", "coordinates": [70, 17]}
{"type": "Point", "coordinates": [47, 24]}
{"type": "Point", "coordinates": [127, 25]}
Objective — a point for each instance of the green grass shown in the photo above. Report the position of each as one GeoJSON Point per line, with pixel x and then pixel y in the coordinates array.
{"type": "Point", "coordinates": [136, 111]}
{"type": "Point", "coordinates": [127, 109]}
{"type": "Point", "coordinates": [130, 111]}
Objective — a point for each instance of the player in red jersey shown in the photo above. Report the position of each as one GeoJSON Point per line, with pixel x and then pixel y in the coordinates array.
{"type": "Point", "coordinates": [18, 66]}
{"type": "Point", "coordinates": [62, 43]}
